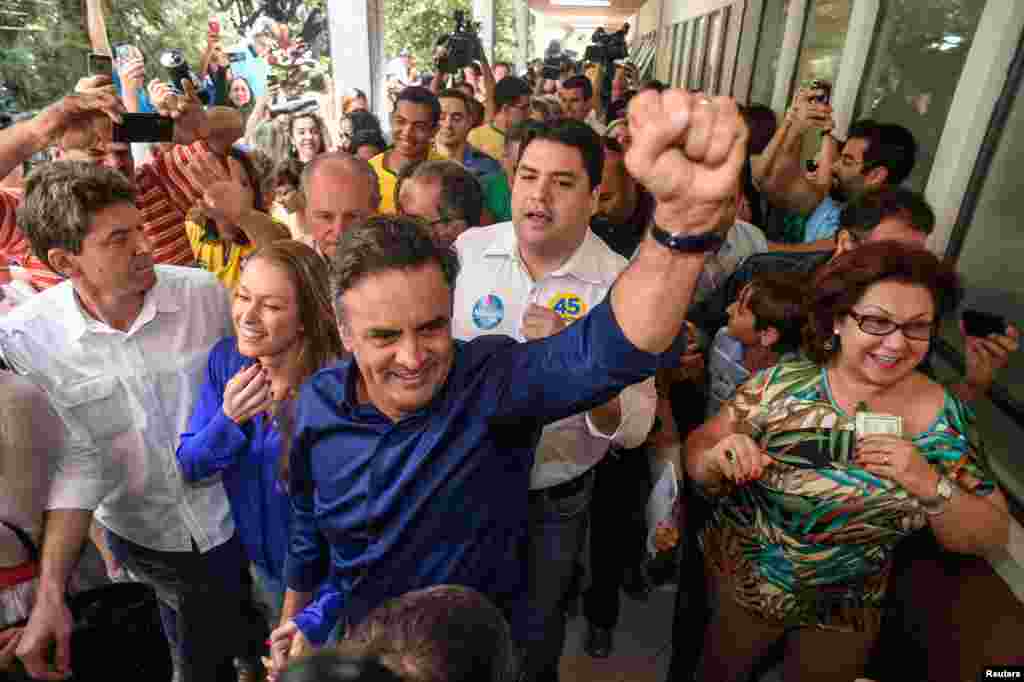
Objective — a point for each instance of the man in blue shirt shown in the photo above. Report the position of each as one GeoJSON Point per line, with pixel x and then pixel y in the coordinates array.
{"type": "Point", "coordinates": [411, 460]}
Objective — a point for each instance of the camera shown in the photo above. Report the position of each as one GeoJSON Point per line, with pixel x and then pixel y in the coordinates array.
{"type": "Point", "coordinates": [607, 47]}
{"type": "Point", "coordinates": [178, 70]}
{"type": "Point", "coordinates": [460, 46]}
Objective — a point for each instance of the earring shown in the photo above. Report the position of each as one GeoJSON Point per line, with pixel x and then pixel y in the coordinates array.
{"type": "Point", "coordinates": [832, 343]}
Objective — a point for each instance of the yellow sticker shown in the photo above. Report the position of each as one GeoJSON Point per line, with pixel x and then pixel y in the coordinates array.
{"type": "Point", "coordinates": [569, 307]}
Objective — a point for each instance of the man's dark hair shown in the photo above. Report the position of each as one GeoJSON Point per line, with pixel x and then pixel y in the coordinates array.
{"type": "Point", "coordinates": [382, 243]}
{"type": "Point", "coordinates": [452, 93]}
{"type": "Point", "coordinates": [61, 199]}
{"type": "Point", "coordinates": [579, 82]}
{"type": "Point", "coordinates": [762, 125]}
{"type": "Point", "coordinates": [889, 145]}
{"type": "Point", "coordinates": [418, 95]}
{"type": "Point", "coordinates": [446, 633]}
{"type": "Point", "coordinates": [777, 300]}
{"type": "Point", "coordinates": [508, 90]}
{"type": "Point", "coordinates": [652, 84]}
{"type": "Point", "coordinates": [620, 107]}
{"type": "Point", "coordinates": [574, 134]}
{"type": "Point", "coordinates": [863, 214]}
{"type": "Point", "coordinates": [461, 194]}
{"type": "Point", "coordinates": [364, 137]}
{"type": "Point", "coordinates": [328, 666]}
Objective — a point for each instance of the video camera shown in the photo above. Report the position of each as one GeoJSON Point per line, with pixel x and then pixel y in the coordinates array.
{"type": "Point", "coordinates": [177, 67]}
{"type": "Point", "coordinates": [607, 47]}
{"type": "Point", "coordinates": [460, 46]}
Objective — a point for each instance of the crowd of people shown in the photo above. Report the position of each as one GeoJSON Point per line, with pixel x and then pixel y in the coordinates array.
{"type": "Point", "coordinates": [353, 406]}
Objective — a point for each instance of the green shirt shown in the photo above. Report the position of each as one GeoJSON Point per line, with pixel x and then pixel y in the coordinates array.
{"type": "Point", "coordinates": [497, 196]}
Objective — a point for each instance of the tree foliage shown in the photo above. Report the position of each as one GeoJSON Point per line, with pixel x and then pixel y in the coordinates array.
{"type": "Point", "coordinates": [415, 25]}
{"type": "Point", "coordinates": [44, 53]}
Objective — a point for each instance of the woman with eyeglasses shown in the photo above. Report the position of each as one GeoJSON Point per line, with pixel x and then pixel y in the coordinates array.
{"type": "Point", "coordinates": [818, 468]}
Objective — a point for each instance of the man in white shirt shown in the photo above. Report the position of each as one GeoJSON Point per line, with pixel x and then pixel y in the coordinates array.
{"type": "Point", "coordinates": [120, 348]}
{"type": "Point", "coordinates": [528, 279]}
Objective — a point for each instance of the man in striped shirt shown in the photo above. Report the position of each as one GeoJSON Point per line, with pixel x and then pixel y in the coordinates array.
{"type": "Point", "coordinates": [79, 131]}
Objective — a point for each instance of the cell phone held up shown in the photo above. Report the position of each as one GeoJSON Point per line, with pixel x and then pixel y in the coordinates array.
{"type": "Point", "coordinates": [980, 324]}
{"type": "Point", "coordinates": [821, 92]}
{"type": "Point", "coordinates": [144, 128]}
{"type": "Point", "coordinates": [100, 65]}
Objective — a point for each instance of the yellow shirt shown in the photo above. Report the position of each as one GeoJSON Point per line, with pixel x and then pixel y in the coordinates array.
{"type": "Point", "coordinates": [210, 254]}
{"type": "Point", "coordinates": [489, 140]}
{"type": "Point", "coordinates": [388, 180]}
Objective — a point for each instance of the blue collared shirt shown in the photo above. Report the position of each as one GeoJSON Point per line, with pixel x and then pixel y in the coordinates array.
{"type": "Point", "coordinates": [247, 459]}
{"type": "Point", "coordinates": [824, 222]}
{"type": "Point", "coordinates": [441, 495]}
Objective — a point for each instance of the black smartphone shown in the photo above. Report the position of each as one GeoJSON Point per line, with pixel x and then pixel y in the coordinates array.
{"type": "Point", "coordinates": [980, 324]}
{"type": "Point", "coordinates": [100, 65]}
{"type": "Point", "coordinates": [144, 128]}
{"type": "Point", "coordinates": [236, 57]}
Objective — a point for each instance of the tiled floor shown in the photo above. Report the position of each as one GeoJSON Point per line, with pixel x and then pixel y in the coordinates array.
{"type": "Point", "coordinates": [643, 644]}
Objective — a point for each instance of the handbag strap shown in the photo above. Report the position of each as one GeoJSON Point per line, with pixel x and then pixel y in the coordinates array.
{"type": "Point", "coordinates": [26, 540]}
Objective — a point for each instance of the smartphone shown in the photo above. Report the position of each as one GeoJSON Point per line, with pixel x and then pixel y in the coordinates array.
{"type": "Point", "coordinates": [123, 51]}
{"type": "Point", "coordinates": [825, 94]}
{"type": "Point", "coordinates": [144, 128]}
{"type": "Point", "coordinates": [980, 324]}
{"type": "Point", "coordinates": [101, 65]}
{"type": "Point", "coordinates": [236, 57]}
{"type": "Point", "coordinates": [214, 26]}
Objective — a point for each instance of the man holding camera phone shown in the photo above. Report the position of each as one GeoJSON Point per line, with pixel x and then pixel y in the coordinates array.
{"type": "Point", "coordinates": [874, 155]}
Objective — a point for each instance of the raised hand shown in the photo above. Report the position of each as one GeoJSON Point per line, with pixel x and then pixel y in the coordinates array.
{"type": "Point", "coordinates": [85, 113]}
{"type": "Point", "coordinates": [190, 121]}
{"type": "Point", "coordinates": [247, 394]}
{"type": "Point", "coordinates": [688, 151]}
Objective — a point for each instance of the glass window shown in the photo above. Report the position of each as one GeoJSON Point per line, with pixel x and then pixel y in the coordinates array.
{"type": "Point", "coordinates": [713, 61]}
{"type": "Point", "coordinates": [677, 29]}
{"type": "Point", "coordinates": [773, 27]}
{"type": "Point", "coordinates": [824, 37]}
{"type": "Point", "coordinates": [685, 55]}
{"type": "Point", "coordinates": [914, 69]}
{"type": "Point", "coordinates": [700, 29]}
{"type": "Point", "coordinates": [989, 260]}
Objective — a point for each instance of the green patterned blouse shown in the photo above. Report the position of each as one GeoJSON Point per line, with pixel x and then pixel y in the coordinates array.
{"type": "Point", "coordinates": [811, 542]}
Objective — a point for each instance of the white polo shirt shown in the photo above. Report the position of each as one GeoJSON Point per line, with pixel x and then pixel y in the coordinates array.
{"type": "Point", "coordinates": [125, 398]}
{"type": "Point", "coordinates": [492, 293]}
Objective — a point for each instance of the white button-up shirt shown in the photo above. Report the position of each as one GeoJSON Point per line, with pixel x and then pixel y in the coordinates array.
{"type": "Point", "coordinates": [491, 296]}
{"type": "Point", "coordinates": [125, 397]}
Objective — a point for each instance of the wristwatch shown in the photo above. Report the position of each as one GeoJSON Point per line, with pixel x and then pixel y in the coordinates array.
{"type": "Point", "coordinates": [687, 243]}
{"type": "Point", "coordinates": [933, 506]}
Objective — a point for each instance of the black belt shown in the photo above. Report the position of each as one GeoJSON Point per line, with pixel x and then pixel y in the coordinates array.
{"type": "Point", "coordinates": [566, 489]}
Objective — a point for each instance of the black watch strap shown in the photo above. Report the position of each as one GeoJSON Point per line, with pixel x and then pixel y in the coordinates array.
{"type": "Point", "coordinates": [687, 243]}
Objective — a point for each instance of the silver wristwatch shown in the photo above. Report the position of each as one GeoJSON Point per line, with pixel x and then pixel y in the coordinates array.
{"type": "Point", "coordinates": [933, 506]}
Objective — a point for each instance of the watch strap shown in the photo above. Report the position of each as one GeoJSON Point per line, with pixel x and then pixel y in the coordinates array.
{"type": "Point", "coordinates": [687, 243]}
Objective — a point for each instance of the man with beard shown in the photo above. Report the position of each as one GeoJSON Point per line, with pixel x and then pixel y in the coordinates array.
{"type": "Point", "coordinates": [874, 154]}
{"type": "Point", "coordinates": [414, 122]}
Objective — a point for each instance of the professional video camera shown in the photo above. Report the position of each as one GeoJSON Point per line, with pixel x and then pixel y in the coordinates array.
{"type": "Point", "coordinates": [460, 46]}
{"type": "Point", "coordinates": [177, 67]}
{"type": "Point", "coordinates": [607, 47]}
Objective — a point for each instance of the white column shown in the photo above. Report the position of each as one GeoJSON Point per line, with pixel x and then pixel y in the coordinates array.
{"type": "Point", "coordinates": [522, 35]}
{"type": "Point", "coordinates": [859, 36]}
{"type": "Point", "coordinates": [357, 48]}
{"type": "Point", "coordinates": [789, 53]}
{"type": "Point", "coordinates": [483, 12]}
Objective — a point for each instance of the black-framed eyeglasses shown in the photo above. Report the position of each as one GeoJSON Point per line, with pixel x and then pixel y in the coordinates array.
{"type": "Point", "coordinates": [883, 326]}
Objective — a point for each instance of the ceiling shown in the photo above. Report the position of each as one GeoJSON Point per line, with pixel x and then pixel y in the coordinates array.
{"type": "Point", "coordinates": [611, 17]}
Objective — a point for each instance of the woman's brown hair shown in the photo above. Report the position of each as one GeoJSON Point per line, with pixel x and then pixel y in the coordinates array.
{"type": "Point", "coordinates": [839, 285]}
{"type": "Point", "coordinates": [321, 341]}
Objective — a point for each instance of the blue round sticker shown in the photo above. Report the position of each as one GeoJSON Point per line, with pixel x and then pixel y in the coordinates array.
{"type": "Point", "coordinates": [488, 312]}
